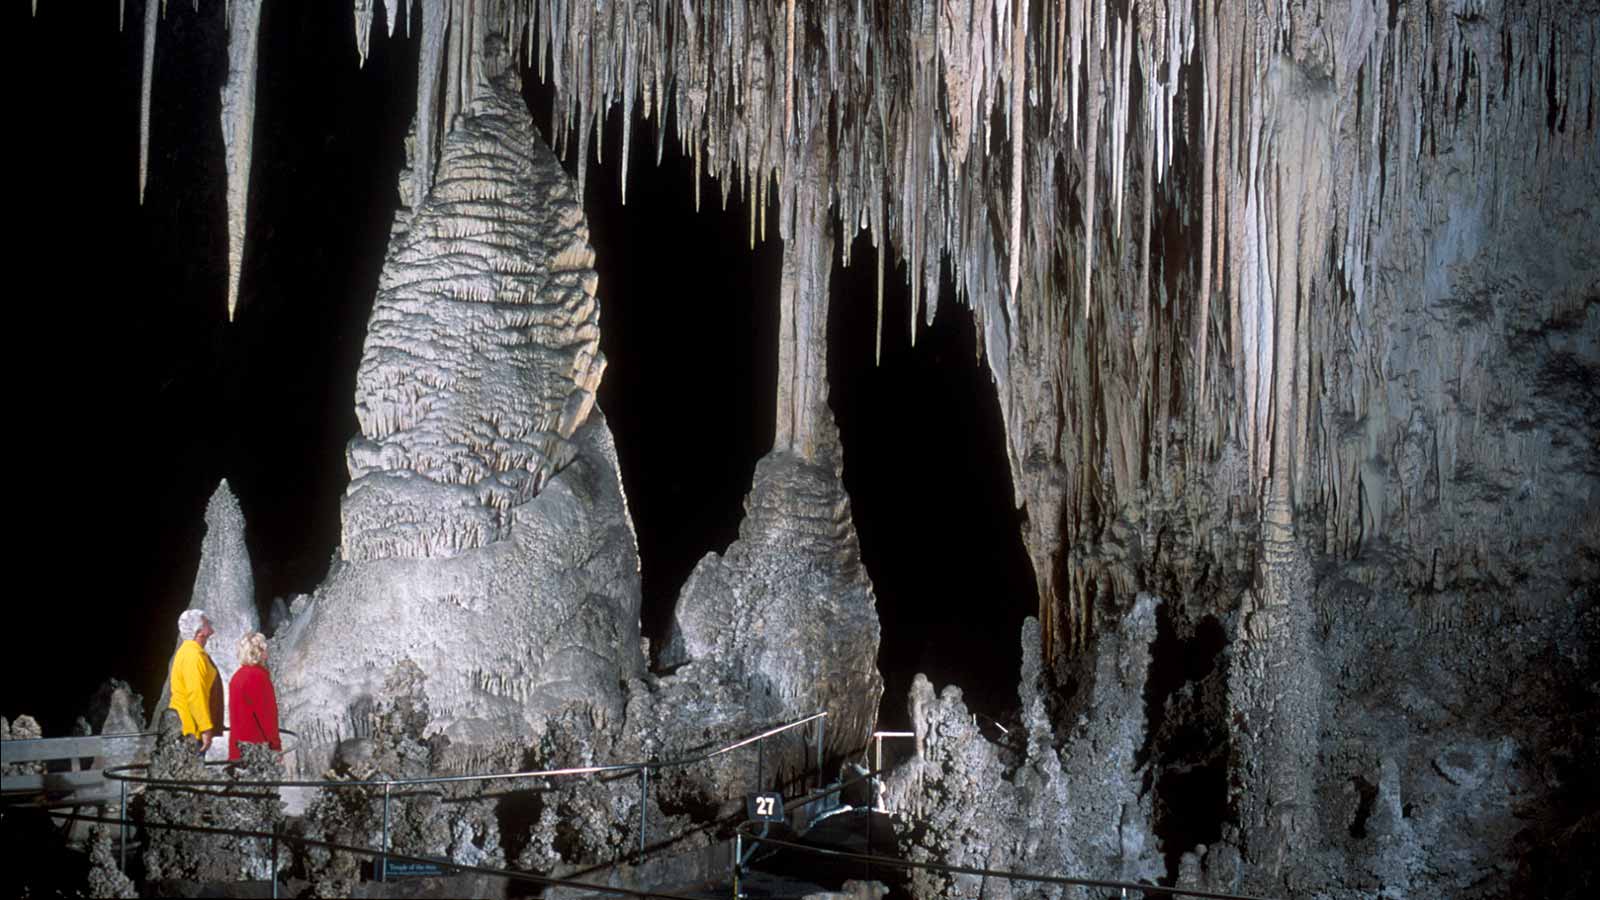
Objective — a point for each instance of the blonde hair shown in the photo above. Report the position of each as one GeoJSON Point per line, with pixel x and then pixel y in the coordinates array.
{"type": "Point", "coordinates": [253, 649]}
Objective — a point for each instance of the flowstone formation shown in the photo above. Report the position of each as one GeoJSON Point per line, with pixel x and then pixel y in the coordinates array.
{"type": "Point", "coordinates": [485, 534]}
{"type": "Point", "coordinates": [482, 353]}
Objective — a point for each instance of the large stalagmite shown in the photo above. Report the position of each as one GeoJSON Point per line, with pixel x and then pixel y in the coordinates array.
{"type": "Point", "coordinates": [1293, 312]}
{"type": "Point", "coordinates": [485, 537]}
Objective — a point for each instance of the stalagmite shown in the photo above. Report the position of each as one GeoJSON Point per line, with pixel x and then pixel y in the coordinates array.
{"type": "Point", "coordinates": [238, 129]}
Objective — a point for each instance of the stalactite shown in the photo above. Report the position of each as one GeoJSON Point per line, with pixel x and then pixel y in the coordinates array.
{"type": "Point", "coordinates": [435, 16]}
{"type": "Point", "coordinates": [146, 77]}
{"type": "Point", "coordinates": [908, 113]}
{"type": "Point", "coordinates": [1095, 88]}
{"type": "Point", "coordinates": [363, 21]}
{"type": "Point", "coordinates": [1019, 36]}
{"type": "Point", "coordinates": [238, 129]}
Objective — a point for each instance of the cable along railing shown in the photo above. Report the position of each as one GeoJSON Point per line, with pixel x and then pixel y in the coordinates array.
{"type": "Point", "coordinates": [124, 776]}
{"type": "Point", "coordinates": [383, 854]}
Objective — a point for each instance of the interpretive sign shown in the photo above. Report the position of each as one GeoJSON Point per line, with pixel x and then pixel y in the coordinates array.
{"type": "Point", "coordinates": [405, 868]}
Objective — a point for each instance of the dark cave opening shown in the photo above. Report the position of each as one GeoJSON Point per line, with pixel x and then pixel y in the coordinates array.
{"type": "Point", "coordinates": [924, 458]}
{"type": "Point", "coordinates": [1186, 744]}
{"type": "Point", "coordinates": [930, 491]}
{"type": "Point", "coordinates": [177, 397]}
{"type": "Point", "coordinates": [688, 319]}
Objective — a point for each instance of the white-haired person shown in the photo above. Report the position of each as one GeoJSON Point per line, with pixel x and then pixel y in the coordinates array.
{"type": "Point", "coordinates": [196, 687]}
{"type": "Point", "coordinates": [252, 703]}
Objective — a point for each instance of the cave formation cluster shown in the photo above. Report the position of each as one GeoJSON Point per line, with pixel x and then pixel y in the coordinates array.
{"type": "Point", "coordinates": [1293, 314]}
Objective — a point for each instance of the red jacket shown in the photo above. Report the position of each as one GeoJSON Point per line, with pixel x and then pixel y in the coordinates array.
{"type": "Point", "coordinates": [252, 710]}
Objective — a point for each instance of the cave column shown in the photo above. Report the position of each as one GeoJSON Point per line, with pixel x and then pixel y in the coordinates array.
{"type": "Point", "coordinates": [807, 231]}
{"type": "Point", "coordinates": [1275, 688]}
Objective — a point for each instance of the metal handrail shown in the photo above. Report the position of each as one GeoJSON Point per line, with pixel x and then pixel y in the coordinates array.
{"type": "Point", "coordinates": [120, 774]}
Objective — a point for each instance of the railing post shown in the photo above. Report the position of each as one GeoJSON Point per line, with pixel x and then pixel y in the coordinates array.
{"type": "Point", "coordinates": [383, 861]}
{"type": "Point", "coordinates": [644, 797]}
{"type": "Point", "coordinates": [822, 734]}
{"type": "Point", "coordinates": [273, 862]}
{"type": "Point", "coordinates": [122, 815]}
{"type": "Point", "coordinates": [738, 860]}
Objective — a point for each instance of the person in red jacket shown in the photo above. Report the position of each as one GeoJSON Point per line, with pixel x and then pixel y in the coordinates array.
{"type": "Point", "coordinates": [252, 703]}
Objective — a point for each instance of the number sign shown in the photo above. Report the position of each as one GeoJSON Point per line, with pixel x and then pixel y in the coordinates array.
{"type": "Point", "coordinates": [764, 807]}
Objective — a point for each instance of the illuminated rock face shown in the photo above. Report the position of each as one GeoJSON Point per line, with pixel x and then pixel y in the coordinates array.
{"type": "Point", "coordinates": [486, 538]}
{"type": "Point", "coordinates": [785, 618]}
{"type": "Point", "coordinates": [1293, 312]}
{"type": "Point", "coordinates": [510, 634]}
{"type": "Point", "coordinates": [482, 354]}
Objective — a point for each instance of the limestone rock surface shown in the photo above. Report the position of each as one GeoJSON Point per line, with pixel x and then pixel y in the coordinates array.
{"type": "Point", "coordinates": [784, 623]}
{"type": "Point", "coordinates": [486, 538]}
{"type": "Point", "coordinates": [509, 635]}
{"type": "Point", "coordinates": [185, 856]}
{"type": "Point", "coordinates": [482, 353]}
{"type": "Point", "coordinates": [224, 586]}
{"type": "Point", "coordinates": [1034, 805]}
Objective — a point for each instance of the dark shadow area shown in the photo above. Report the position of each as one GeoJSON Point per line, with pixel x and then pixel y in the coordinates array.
{"type": "Point", "coordinates": [1186, 746]}
{"type": "Point", "coordinates": [330, 143]}
{"type": "Point", "coordinates": [930, 491]}
{"type": "Point", "coordinates": [142, 393]}
{"type": "Point", "coordinates": [688, 325]}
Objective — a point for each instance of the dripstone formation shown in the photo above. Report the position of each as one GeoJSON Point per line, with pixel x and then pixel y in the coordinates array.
{"type": "Point", "coordinates": [1293, 315]}
{"type": "Point", "coordinates": [485, 536]}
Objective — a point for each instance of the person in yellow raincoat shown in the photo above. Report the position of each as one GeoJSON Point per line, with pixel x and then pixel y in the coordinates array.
{"type": "Point", "coordinates": [196, 688]}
